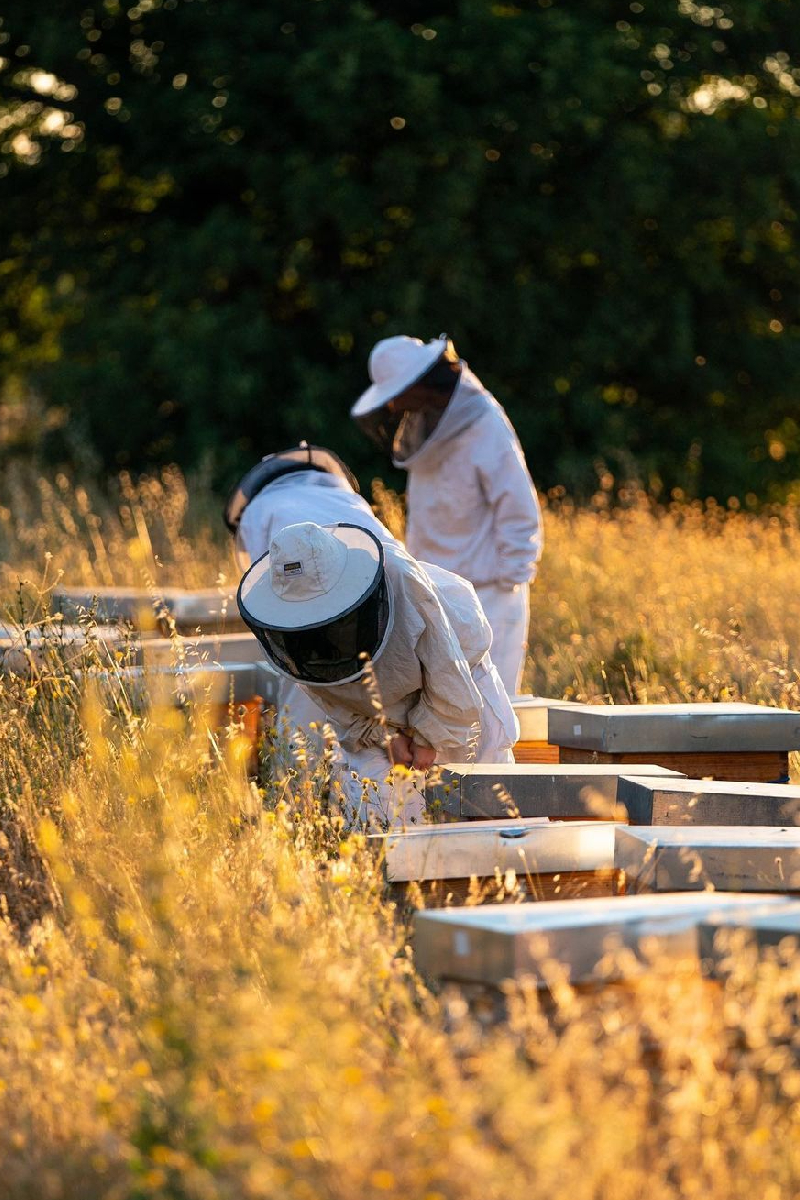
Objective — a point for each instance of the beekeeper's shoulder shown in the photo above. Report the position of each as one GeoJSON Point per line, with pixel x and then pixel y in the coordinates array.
{"type": "Point", "coordinates": [410, 583]}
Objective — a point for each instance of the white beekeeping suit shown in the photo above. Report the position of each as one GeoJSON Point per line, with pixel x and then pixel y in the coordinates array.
{"type": "Point", "coordinates": [434, 674]}
{"type": "Point", "coordinates": [471, 504]}
{"type": "Point", "coordinates": [430, 677]}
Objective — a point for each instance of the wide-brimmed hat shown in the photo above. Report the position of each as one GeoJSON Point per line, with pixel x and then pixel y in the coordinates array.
{"type": "Point", "coordinates": [311, 575]}
{"type": "Point", "coordinates": [394, 365]}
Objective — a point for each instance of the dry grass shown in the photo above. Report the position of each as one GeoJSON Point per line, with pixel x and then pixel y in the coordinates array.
{"type": "Point", "coordinates": [204, 995]}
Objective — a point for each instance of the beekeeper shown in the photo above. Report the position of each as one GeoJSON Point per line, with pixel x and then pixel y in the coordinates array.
{"type": "Point", "coordinates": [303, 483]}
{"type": "Point", "coordinates": [471, 504]}
{"type": "Point", "coordinates": [361, 626]}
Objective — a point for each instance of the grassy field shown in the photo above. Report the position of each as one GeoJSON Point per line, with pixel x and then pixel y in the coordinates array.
{"type": "Point", "coordinates": [205, 995]}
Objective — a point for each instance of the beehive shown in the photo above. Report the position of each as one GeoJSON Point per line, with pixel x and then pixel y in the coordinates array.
{"type": "Point", "coordinates": [479, 791]}
{"type": "Point", "coordinates": [549, 860]}
{"type": "Point", "coordinates": [725, 858]}
{"type": "Point", "coordinates": [707, 802]}
{"type": "Point", "coordinates": [724, 741]}
{"type": "Point", "coordinates": [573, 939]}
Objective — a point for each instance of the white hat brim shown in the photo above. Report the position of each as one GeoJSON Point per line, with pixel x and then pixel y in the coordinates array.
{"type": "Point", "coordinates": [381, 393]}
{"type": "Point", "coordinates": [265, 608]}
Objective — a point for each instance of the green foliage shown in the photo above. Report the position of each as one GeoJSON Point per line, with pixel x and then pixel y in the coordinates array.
{"type": "Point", "coordinates": [233, 201]}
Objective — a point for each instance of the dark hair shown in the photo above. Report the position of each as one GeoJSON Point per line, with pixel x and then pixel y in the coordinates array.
{"type": "Point", "coordinates": [443, 376]}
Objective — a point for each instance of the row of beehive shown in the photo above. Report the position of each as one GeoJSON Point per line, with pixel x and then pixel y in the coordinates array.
{"type": "Point", "coordinates": [661, 893]}
{"type": "Point", "coordinates": [623, 761]}
{"type": "Point", "coordinates": [711, 854]}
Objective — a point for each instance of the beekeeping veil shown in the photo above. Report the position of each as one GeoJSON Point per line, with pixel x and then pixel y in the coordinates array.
{"type": "Point", "coordinates": [396, 365]}
{"type": "Point", "coordinates": [318, 602]}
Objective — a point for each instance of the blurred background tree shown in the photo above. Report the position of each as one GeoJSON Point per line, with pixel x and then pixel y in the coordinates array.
{"type": "Point", "coordinates": [211, 210]}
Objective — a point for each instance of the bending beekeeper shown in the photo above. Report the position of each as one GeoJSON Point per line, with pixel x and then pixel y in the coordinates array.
{"type": "Point", "coordinates": [471, 504]}
{"type": "Point", "coordinates": [362, 627]}
{"type": "Point", "coordinates": [303, 483]}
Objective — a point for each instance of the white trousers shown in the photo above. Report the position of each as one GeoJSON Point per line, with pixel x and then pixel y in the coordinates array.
{"type": "Point", "coordinates": [508, 613]}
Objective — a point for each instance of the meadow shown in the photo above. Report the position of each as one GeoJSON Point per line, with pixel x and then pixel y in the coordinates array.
{"type": "Point", "coordinates": [204, 992]}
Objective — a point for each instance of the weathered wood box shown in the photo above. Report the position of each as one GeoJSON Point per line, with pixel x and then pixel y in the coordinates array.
{"type": "Point", "coordinates": [707, 802]}
{"type": "Point", "coordinates": [725, 859]}
{"type": "Point", "coordinates": [460, 861]}
{"type": "Point", "coordinates": [573, 940]}
{"type": "Point", "coordinates": [724, 741]}
{"type": "Point", "coordinates": [481, 791]}
{"type": "Point", "coordinates": [204, 609]}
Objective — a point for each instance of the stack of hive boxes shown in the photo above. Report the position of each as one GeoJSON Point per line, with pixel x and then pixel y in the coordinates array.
{"type": "Point", "coordinates": [625, 846]}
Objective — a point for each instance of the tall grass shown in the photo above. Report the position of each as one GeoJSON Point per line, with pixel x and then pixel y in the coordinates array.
{"type": "Point", "coordinates": [204, 993]}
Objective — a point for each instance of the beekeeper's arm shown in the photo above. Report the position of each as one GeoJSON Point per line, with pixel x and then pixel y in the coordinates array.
{"type": "Point", "coordinates": [511, 495]}
{"type": "Point", "coordinates": [446, 717]}
{"type": "Point", "coordinates": [256, 526]}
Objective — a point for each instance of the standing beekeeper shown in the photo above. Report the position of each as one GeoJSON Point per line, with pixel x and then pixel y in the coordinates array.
{"type": "Point", "coordinates": [471, 504]}
{"type": "Point", "coordinates": [398, 664]}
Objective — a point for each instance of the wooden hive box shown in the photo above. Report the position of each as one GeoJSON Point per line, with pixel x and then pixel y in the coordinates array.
{"type": "Point", "coordinates": [481, 791]}
{"type": "Point", "coordinates": [204, 609]}
{"type": "Point", "coordinates": [494, 943]}
{"type": "Point", "coordinates": [202, 648]}
{"type": "Point", "coordinates": [707, 802]}
{"type": "Point", "coordinates": [211, 687]}
{"type": "Point", "coordinates": [26, 649]}
{"type": "Point", "coordinates": [727, 858]}
{"type": "Point", "coordinates": [767, 929]}
{"type": "Point", "coordinates": [533, 745]}
{"type": "Point", "coordinates": [549, 860]}
{"type": "Point", "coordinates": [724, 741]}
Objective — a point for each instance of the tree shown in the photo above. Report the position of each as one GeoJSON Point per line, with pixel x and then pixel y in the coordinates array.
{"type": "Point", "coordinates": [214, 209]}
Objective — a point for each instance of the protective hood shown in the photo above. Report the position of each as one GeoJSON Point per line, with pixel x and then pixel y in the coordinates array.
{"type": "Point", "coordinates": [318, 602]}
{"type": "Point", "coordinates": [415, 438]}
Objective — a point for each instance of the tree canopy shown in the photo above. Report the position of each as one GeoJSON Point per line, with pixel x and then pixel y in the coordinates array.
{"type": "Point", "coordinates": [211, 210]}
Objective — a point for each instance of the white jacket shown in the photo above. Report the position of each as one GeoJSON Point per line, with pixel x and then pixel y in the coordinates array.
{"type": "Point", "coordinates": [304, 496]}
{"type": "Point", "coordinates": [434, 674]}
{"type": "Point", "coordinates": [472, 506]}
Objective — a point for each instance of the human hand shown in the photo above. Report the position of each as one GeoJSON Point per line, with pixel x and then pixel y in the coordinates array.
{"type": "Point", "coordinates": [400, 751]}
{"type": "Point", "coordinates": [422, 756]}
